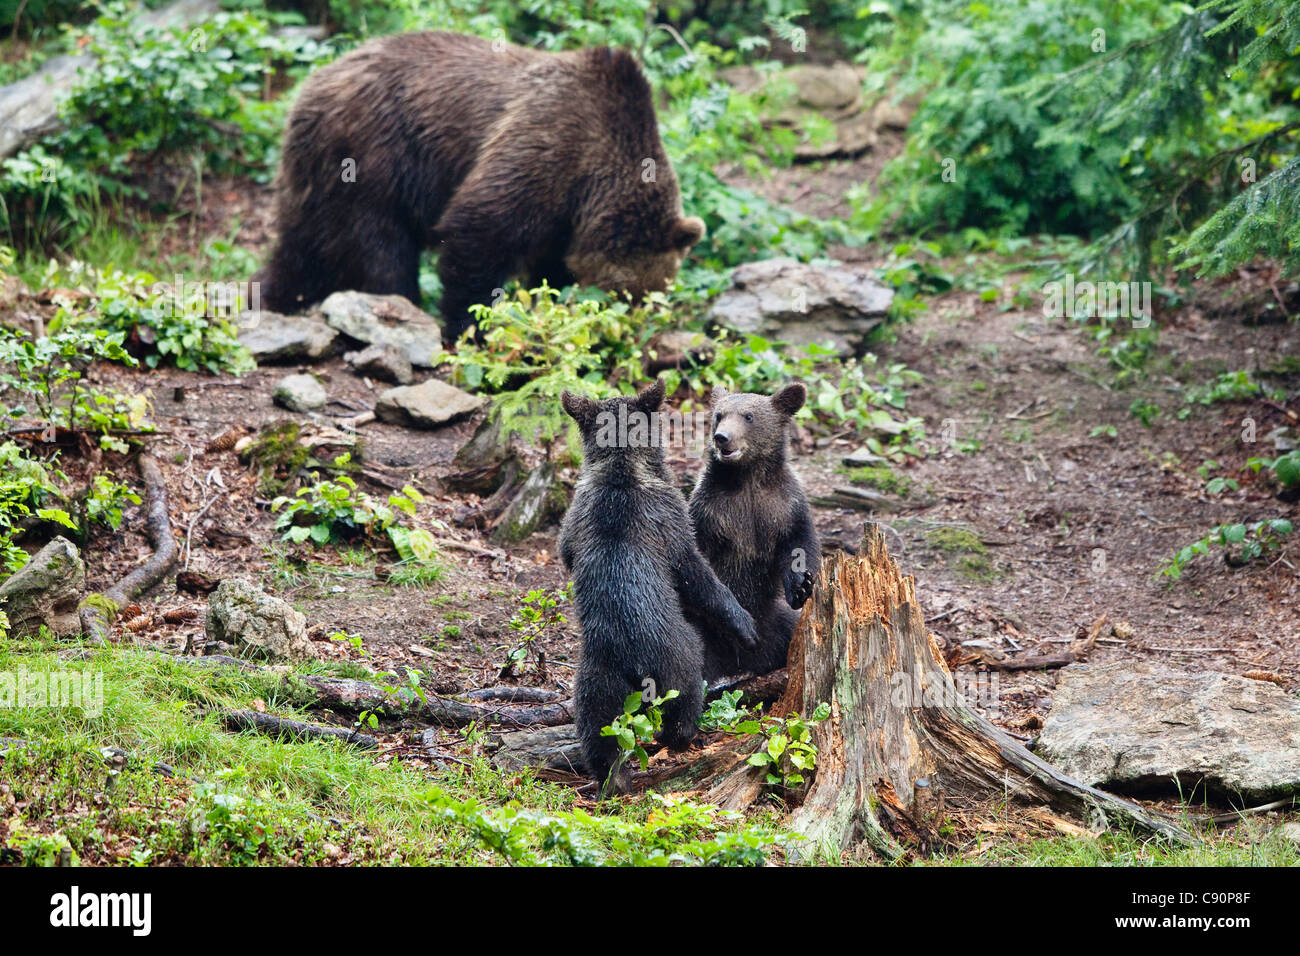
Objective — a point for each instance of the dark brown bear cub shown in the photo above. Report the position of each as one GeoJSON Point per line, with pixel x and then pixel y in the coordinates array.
{"type": "Point", "coordinates": [753, 525]}
{"type": "Point", "coordinates": [507, 161]}
{"type": "Point", "coordinates": [627, 542]}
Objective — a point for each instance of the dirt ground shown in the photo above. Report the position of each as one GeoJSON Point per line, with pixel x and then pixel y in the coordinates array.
{"type": "Point", "coordinates": [1072, 522]}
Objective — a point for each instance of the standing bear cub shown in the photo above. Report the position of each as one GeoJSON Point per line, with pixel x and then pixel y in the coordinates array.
{"type": "Point", "coordinates": [753, 525]}
{"type": "Point", "coordinates": [507, 161]}
{"type": "Point", "coordinates": [627, 541]}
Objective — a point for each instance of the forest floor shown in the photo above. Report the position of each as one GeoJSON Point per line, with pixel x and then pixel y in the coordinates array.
{"type": "Point", "coordinates": [1046, 505]}
{"type": "Point", "coordinates": [1072, 504]}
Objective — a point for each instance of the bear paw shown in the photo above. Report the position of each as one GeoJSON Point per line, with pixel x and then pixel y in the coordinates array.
{"type": "Point", "coordinates": [798, 588]}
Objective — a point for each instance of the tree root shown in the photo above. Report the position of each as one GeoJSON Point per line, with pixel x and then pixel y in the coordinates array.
{"type": "Point", "coordinates": [98, 610]}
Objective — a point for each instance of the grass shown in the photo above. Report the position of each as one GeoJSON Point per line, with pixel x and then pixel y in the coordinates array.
{"type": "Point", "coordinates": [1253, 843]}
{"type": "Point", "coordinates": [246, 798]}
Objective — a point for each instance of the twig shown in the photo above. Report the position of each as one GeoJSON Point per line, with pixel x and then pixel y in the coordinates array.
{"type": "Point", "coordinates": [190, 530]}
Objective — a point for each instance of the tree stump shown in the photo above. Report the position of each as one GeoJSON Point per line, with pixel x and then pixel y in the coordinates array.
{"type": "Point", "coordinates": [901, 742]}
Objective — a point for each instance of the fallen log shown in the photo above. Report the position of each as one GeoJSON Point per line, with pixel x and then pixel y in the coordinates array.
{"type": "Point", "coordinates": [515, 695]}
{"type": "Point", "coordinates": [357, 696]}
{"type": "Point", "coordinates": [901, 743]}
{"type": "Point", "coordinates": [29, 108]}
{"type": "Point", "coordinates": [98, 610]}
{"type": "Point", "coordinates": [237, 720]}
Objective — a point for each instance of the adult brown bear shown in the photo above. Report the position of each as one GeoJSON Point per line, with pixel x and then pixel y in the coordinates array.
{"type": "Point", "coordinates": [507, 161]}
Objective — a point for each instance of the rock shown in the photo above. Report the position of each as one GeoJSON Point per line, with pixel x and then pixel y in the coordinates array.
{"type": "Point", "coordinates": [536, 500]}
{"type": "Point", "coordinates": [272, 337]}
{"type": "Point", "coordinates": [828, 92]}
{"type": "Point", "coordinates": [801, 304]}
{"type": "Point", "coordinates": [836, 86]}
{"type": "Point", "coordinates": [1290, 831]}
{"type": "Point", "coordinates": [12, 290]}
{"type": "Point", "coordinates": [427, 405]}
{"type": "Point", "coordinates": [1141, 727]}
{"type": "Point", "coordinates": [383, 361]}
{"type": "Point", "coordinates": [385, 318]}
{"type": "Point", "coordinates": [46, 590]}
{"type": "Point", "coordinates": [675, 348]}
{"type": "Point", "coordinates": [863, 458]}
{"type": "Point", "coordinates": [551, 748]}
{"type": "Point", "coordinates": [299, 393]}
{"type": "Point", "coordinates": [254, 622]}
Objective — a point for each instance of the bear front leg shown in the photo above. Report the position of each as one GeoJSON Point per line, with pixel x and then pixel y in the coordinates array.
{"type": "Point", "coordinates": [709, 601]}
{"type": "Point", "coordinates": [800, 554]}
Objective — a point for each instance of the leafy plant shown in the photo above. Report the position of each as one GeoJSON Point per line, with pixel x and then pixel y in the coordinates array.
{"type": "Point", "coordinates": [331, 511]}
{"type": "Point", "coordinates": [27, 487]}
{"type": "Point", "coordinates": [1242, 543]}
{"type": "Point", "coordinates": [163, 325]}
{"type": "Point", "coordinates": [788, 752]}
{"type": "Point", "coordinates": [538, 616]}
{"type": "Point", "coordinates": [678, 832]}
{"type": "Point", "coordinates": [634, 728]}
{"type": "Point", "coordinates": [534, 345]}
{"type": "Point", "coordinates": [106, 499]}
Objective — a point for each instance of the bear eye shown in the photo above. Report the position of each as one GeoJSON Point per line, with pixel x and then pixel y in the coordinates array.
{"type": "Point", "coordinates": [749, 416]}
{"type": "Point", "coordinates": [717, 419]}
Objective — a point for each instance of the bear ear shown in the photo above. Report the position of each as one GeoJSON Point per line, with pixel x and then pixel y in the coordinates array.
{"type": "Point", "coordinates": [580, 408]}
{"type": "Point", "coordinates": [687, 233]}
{"type": "Point", "coordinates": [653, 396]}
{"type": "Point", "coordinates": [790, 399]}
{"type": "Point", "coordinates": [718, 394]}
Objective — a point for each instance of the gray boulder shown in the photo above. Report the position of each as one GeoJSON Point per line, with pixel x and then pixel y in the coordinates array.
{"type": "Point", "coordinates": [46, 590]}
{"type": "Point", "coordinates": [272, 337]}
{"type": "Point", "coordinates": [255, 623]}
{"type": "Point", "coordinates": [1141, 727]}
{"type": "Point", "coordinates": [383, 361]}
{"type": "Point", "coordinates": [428, 405]}
{"type": "Point", "coordinates": [802, 304]}
{"type": "Point", "coordinates": [385, 318]}
{"type": "Point", "coordinates": [300, 393]}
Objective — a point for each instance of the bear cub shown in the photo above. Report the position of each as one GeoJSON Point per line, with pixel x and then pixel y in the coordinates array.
{"type": "Point", "coordinates": [627, 542]}
{"type": "Point", "coordinates": [508, 161]}
{"type": "Point", "coordinates": [753, 524]}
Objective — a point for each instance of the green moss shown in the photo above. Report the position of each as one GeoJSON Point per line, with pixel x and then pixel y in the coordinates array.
{"type": "Point", "coordinates": [955, 540]}
{"type": "Point", "coordinates": [107, 607]}
{"type": "Point", "coordinates": [278, 457]}
{"type": "Point", "coordinates": [977, 567]}
{"type": "Point", "coordinates": [880, 477]}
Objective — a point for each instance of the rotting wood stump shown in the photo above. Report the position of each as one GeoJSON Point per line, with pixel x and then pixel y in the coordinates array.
{"type": "Point", "coordinates": [901, 742]}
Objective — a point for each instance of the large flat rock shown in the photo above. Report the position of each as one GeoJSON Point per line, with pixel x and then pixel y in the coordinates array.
{"type": "Point", "coordinates": [1140, 727]}
{"type": "Point", "coordinates": [802, 304]}
{"type": "Point", "coordinates": [430, 404]}
{"type": "Point", "coordinates": [380, 319]}
{"type": "Point", "coordinates": [272, 337]}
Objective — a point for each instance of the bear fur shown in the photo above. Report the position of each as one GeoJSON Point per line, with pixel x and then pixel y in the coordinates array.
{"type": "Point", "coordinates": [627, 541]}
{"type": "Point", "coordinates": [508, 161]}
{"type": "Point", "coordinates": [753, 524]}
